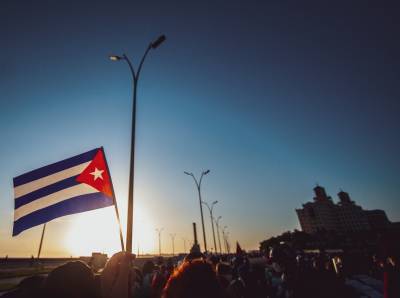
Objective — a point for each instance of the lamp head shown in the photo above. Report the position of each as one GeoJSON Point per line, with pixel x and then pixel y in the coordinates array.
{"type": "Point", "coordinates": [206, 172]}
{"type": "Point", "coordinates": [187, 173]}
{"type": "Point", "coordinates": [215, 202]}
{"type": "Point", "coordinates": [115, 57]}
{"type": "Point", "coordinates": [155, 44]}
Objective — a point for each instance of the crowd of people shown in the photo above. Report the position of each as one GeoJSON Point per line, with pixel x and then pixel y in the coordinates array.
{"type": "Point", "coordinates": [281, 273]}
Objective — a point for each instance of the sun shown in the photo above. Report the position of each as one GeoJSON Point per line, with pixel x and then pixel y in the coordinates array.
{"type": "Point", "coordinates": [98, 231]}
{"type": "Point", "coordinates": [93, 231]}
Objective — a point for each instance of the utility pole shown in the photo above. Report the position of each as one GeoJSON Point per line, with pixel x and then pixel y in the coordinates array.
{"type": "Point", "coordinates": [173, 243]}
{"type": "Point", "coordinates": [198, 186]}
{"type": "Point", "coordinates": [159, 240]}
{"type": "Point", "coordinates": [212, 220]}
{"type": "Point", "coordinates": [219, 239]}
{"type": "Point", "coordinates": [184, 245]}
{"type": "Point", "coordinates": [135, 79]}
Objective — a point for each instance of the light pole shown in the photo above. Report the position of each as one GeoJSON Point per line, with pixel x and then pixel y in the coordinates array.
{"type": "Point", "coordinates": [135, 79]}
{"type": "Point", "coordinates": [159, 240]}
{"type": "Point", "coordinates": [219, 239]}
{"type": "Point", "coordinates": [224, 235]}
{"type": "Point", "coordinates": [212, 220]}
{"type": "Point", "coordinates": [198, 185]}
{"type": "Point", "coordinates": [184, 245]}
{"type": "Point", "coordinates": [228, 245]}
{"type": "Point", "coordinates": [173, 243]}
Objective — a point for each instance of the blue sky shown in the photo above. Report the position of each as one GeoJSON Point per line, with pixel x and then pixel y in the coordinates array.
{"type": "Point", "coordinates": [272, 98]}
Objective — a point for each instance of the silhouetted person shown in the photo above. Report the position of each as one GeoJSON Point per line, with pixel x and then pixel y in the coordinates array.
{"type": "Point", "coordinates": [377, 265]}
{"type": "Point", "coordinates": [147, 273]}
{"type": "Point", "coordinates": [392, 278]}
{"type": "Point", "coordinates": [148, 268]}
{"type": "Point", "coordinates": [73, 279]}
{"type": "Point", "coordinates": [30, 287]}
{"type": "Point", "coordinates": [195, 253]}
{"type": "Point", "coordinates": [224, 275]}
{"type": "Point", "coordinates": [236, 289]}
{"type": "Point", "coordinates": [160, 278]}
{"type": "Point", "coordinates": [195, 279]}
{"type": "Point", "coordinates": [118, 276]}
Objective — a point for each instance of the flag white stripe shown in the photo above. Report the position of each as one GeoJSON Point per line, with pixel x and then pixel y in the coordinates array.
{"type": "Point", "coordinates": [50, 179]}
{"type": "Point", "coordinates": [54, 198]}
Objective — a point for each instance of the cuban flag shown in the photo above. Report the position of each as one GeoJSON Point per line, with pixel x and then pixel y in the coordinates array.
{"type": "Point", "coordinates": [77, 184]}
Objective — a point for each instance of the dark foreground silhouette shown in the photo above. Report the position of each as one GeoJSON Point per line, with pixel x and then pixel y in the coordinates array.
{"type": "Point", "coordinates": [281, 274]}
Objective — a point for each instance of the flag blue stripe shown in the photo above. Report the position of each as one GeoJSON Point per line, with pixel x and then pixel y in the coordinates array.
{"type": "Point", "coordinates": [55, 167]}
{"type": "Point", "coordinates": [74, 205]}
{"type": "Point", "coordinates": [45, 191]}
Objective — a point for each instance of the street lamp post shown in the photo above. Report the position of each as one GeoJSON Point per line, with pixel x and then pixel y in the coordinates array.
{"type": "Point", "coordinates": [184, 245]}
{"type": "Point", "coordinates": [212, 220]}
{"type": "Point", "coordinates": [224, 235]}
{"type": "Point", "coordinates": [198, 185]}
{"type": "Point", "coordinates": [159, 240]}
{"type": "Point", "coordinates": [135, 79]}
{"type": "Point", "coordinates": [173, 243]}
{"type": "Point", "coordinates": [219, 239]}
{"type": "Point", "coordinates": [227, 242]}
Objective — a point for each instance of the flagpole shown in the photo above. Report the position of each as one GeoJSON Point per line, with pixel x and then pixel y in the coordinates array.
{"type": "Point", "coordinates": [41, 241]}
{"type": "Point", "coordinates": [121, 237]}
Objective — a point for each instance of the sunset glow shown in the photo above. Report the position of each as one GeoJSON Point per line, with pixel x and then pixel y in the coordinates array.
{"type": "Point", "coordinates": [97, 231]}
{"type": "Point", "coordinates": [93, 231]}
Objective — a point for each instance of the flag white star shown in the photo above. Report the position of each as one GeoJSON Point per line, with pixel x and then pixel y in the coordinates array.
{"type": "Point", "coordinates": [97, 174]}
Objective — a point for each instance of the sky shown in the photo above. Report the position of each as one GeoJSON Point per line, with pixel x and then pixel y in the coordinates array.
{"type": "Point", "coordinates": [271, 96]}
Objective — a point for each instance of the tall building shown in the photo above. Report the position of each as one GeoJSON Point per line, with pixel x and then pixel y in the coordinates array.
{"type": "Point", "coordinates": [377, 219]}
{"type": "Point", "coordinates": [319, 214]}
{"type": "Point", "coordinates": [345, 216]}
{"type": "Point", "coordinates": [351, 217]}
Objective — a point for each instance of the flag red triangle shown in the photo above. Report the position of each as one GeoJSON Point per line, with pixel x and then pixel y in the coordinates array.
{"type": "Point", "coordinates": [96, 174]}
